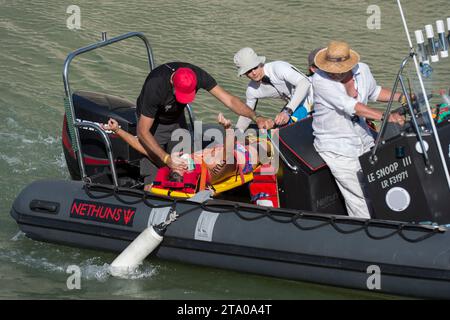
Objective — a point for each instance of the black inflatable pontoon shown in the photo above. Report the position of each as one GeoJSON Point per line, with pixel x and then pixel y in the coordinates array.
{"type": "Point", "coordinates": [336, 250]}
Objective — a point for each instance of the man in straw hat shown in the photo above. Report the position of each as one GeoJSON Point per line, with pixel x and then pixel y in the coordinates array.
{"type": "Point", "coordinates": [342, 88]}
{"type": "Point", "coordinates": [277, 79]}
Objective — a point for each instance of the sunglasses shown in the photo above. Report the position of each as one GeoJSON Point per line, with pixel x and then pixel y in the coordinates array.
{"type": "Point", "coordinates": [248, 72]}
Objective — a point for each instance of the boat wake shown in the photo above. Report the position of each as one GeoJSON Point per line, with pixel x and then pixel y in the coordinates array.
{"type": "Point", "coordinates": [24, 143]}
{"type": "Point", "coordinates": [58, 260]}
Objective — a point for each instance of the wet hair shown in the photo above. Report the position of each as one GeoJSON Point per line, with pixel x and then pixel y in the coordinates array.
{"type": "Point", "coordinates": [175, 177]}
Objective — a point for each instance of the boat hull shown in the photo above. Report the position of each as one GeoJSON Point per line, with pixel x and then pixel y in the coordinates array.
{"type": "Point", "coordinates": [320, 248]}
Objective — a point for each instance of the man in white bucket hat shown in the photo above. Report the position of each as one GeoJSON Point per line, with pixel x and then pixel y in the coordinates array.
{"type": "Point", "coordinates": [277, 79]}
{"type": "Point", "coordinates": [342, 88]}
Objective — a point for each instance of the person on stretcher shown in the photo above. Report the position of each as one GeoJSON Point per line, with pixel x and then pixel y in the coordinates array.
{"type": "Point", "coordinates": [220, 161]}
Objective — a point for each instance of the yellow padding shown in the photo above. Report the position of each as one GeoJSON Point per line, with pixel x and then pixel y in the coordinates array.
{"type": "Point", "coordinates": [227, 184]}
{"type": "Point", "coordinates": [231, 183]}
{"type": "Point", "coordinates": [173, 194]}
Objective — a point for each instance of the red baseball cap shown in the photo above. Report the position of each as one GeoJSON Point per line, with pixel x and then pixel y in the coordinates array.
{"type": "Point", "coordinates": [185, 85]}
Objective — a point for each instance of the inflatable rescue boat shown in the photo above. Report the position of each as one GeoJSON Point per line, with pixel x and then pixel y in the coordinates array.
{"type": "Point", "coordinates": [291, 224]}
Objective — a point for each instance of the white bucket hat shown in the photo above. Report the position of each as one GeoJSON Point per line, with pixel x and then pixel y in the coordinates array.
{"type": "Point", "coordinates": [246, 59]}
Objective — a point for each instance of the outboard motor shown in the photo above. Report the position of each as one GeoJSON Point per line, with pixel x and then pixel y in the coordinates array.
{"type": "Point", "coordinates": [99, 107]}
{"type": "Point", "coordinates": [304, 180]}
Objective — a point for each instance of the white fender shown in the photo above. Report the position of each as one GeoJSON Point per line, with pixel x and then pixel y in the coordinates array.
{"type": "Point", "coordinates": [146, 242]}
{"type": "Point", "coordinates": [136, 252]}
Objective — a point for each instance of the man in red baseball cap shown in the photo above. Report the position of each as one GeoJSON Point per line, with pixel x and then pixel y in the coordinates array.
{"type": "Point", "coordinates": [160, 110]}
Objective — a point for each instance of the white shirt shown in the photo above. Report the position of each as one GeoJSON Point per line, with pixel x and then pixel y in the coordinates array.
{"type": "Point", "coordinates": [334, 130]}
{"type": "Point", "coordinates": [285, 79]}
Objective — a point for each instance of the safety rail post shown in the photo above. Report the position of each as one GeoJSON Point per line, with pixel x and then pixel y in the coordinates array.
{"type": "Point", "coordinates": [373, 157]}
{"type": "Point", "coordinates": [428, 166]}
{"type": "Point", "coordinates": [96, 127]}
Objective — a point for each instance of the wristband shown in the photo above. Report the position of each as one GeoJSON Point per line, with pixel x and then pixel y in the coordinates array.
{"type": "Point", "coordinates": [166, 157]}
{"type": "Point", "coordinates": [288, 111]}
{"type": "Point", "coordinates": [255, 117]}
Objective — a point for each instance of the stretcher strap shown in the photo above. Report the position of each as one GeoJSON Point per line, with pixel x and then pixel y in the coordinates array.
{"type": "Point", "coordinates": [203, 176]}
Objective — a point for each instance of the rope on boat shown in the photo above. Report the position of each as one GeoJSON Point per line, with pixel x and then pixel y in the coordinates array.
{"type": "Point", "coordinates": [256, 213]}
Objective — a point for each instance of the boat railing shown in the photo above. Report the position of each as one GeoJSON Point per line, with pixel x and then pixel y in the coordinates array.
{"type": "Point", "coordinates": [73, 123]}
{"type": "Point", "coordinates": [96, 128]}
{"type": "Point", "coordinates": [291, 166]}
{"type": "Point", "coordinates": [400, 80]}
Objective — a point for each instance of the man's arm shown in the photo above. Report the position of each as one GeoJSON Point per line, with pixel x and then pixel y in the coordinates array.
{"type": "Point", "coordinates": [152, 146]}
{"type": "Point", "coordinates": [301, 92]}
{"type": "Point", "coordinates": [237, 106]}
{"type": "Point", "coordinates": [374, 114]}
{"type": "Point", "coordinates": [147, 140]}
{"type": "Point", "coordinates": [385, 95]}
{"type": "Point", "coordinates": [133, 141]}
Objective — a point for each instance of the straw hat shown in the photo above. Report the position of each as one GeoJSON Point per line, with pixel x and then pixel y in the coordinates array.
{"type": "Point", "coordinates": [336, 58]}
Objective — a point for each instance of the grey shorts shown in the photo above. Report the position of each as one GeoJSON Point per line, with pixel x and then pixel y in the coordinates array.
{"type": "Point", "coordinates": [162, 134]}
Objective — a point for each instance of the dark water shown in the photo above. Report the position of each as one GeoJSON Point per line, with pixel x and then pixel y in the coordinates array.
{"type": "Point", "coordinates": [34, 43]}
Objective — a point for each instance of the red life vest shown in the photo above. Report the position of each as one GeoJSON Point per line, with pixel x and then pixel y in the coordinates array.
{"type": "Point", "coordinates": [188, 185]}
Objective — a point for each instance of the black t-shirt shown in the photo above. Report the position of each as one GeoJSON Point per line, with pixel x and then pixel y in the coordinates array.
{"type": "Point", "coordinates": [157, 99]}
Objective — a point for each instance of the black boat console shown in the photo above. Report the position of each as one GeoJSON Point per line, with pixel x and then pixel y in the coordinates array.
{"type": "Point", "coordinates": [407, 174]}
{"type": "Point", "coordinates": [304, 180]}
{"type": "Point", "coordinates": [400, 184]}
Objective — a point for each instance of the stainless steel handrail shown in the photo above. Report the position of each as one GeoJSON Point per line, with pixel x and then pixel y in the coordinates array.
{"type": "Point", "coordinates": [285, 160]}
{"type": "Point", "coordinates": [399, 80]}
{"type": "Point", "coordinates": [68, 91]}
{"type": "Point", "coordinates": [373, 156]}
{"type": "Point", "coordinates": [428, 166]}
{"type": "Point", "coordinates": [282, 156]}
{"type": "Point", "coordinates": [96, 127]}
